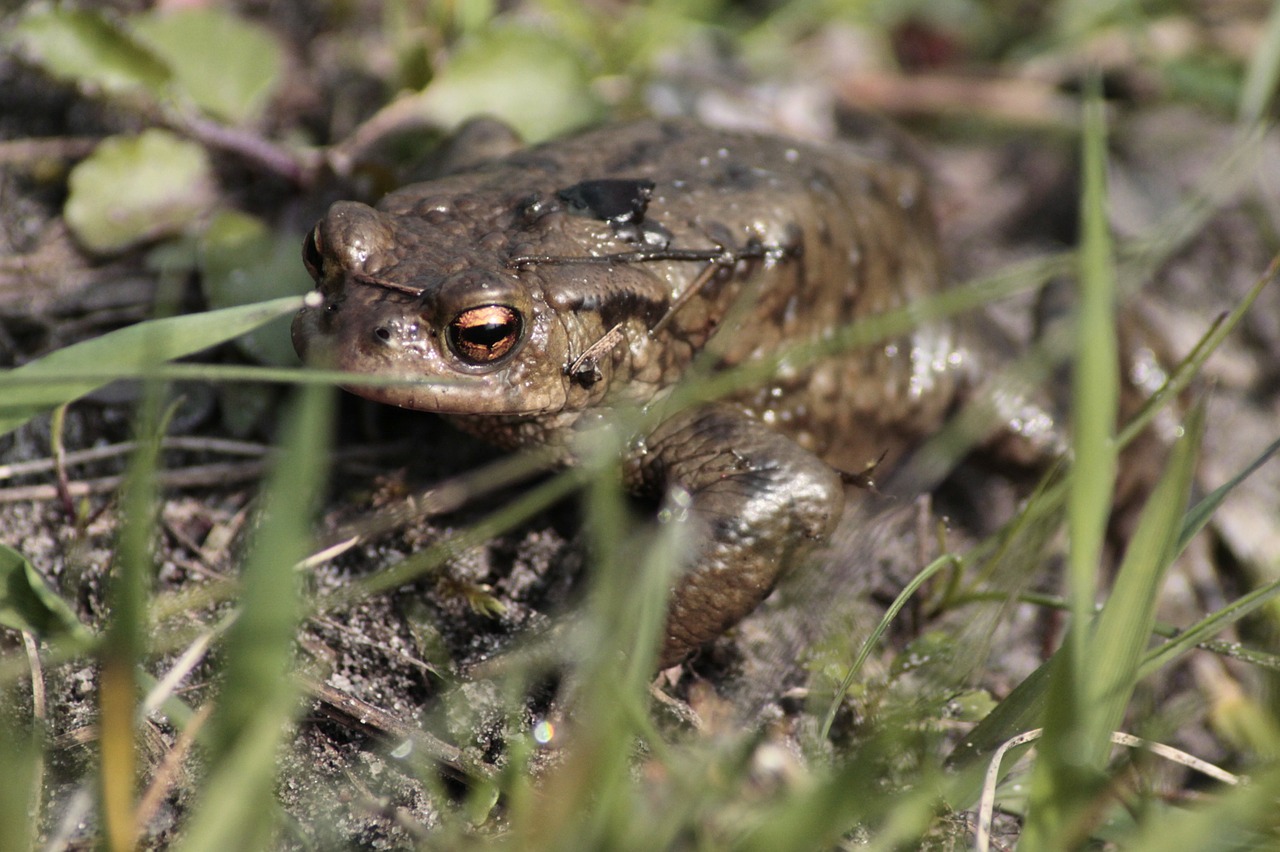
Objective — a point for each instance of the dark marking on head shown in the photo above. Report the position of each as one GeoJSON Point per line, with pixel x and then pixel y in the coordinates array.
{"type": "Point", "coordinates": [619, 306]}
{"type": "Point", "coordinates": [618, 201]}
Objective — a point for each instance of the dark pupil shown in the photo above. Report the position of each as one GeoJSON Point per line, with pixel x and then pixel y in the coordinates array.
{"type": "Point", "coordinates": [486, 335]}
{"type": "Point", "coordinates": [311, 256]}
{"type": "Point", "coordinates": [483, 335]}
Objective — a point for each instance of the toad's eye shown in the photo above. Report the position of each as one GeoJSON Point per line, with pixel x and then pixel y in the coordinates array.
{"type": "Point", "coordinates": [311, 254]}
{"type": "Point", "coordinates": [483, 335]}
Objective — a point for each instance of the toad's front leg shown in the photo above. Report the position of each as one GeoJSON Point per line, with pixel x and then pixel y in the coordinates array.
{"type": "Point", "coordinates": [761, 504]}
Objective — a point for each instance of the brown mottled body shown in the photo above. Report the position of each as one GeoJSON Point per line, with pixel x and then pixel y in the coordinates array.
{"type": "Point", "coordinates": [535, 292]}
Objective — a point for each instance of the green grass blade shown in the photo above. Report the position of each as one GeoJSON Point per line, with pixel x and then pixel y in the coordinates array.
{"type": "Point", "coordinates": [587, 803]}
{"type": "Point", "coordinates": [1263, 74]}
{"type": "Point", "coordinates": [1068, 774]}
{"type": "Point", "coordinates": [258, 697]}
{"type": "Point", "coordinates": [1209, 627]}
{"type": "Point", "coordinates": [1124, 627]}
{"type": "Point", "coordinates": [1203, 511]}
{"type": "Point", "coordinates": [1059, 778]}
{"type": "Point", "coordinates": [1189, 368]}
{"type": "Point", "coordinates": [1096, 387]}
{"type": "Point", "coordinates": [1020, 711]}
{"type": "Point", "coordinates": [536, 499]}
{"type": "Point", "coordinates": [124, 639]}
{"type": "Point", "coordinates": [908, 592]}
{"type": "Point", "coordinates": [20, 741]}
{"type": "Point", "coordinates": [1023, 708]}
{"type": "Point", "coordinates": [38, 386]}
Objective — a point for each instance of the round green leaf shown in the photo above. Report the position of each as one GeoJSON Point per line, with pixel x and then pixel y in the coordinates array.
{"type": "Point", "coordinates": [82, 46]}
{"type": "Point", "coordinates": [227, 66]}
{"type": "Point", "coordinates": [136, 188]}
{"type": "Point", "coordinates": [533, 81]}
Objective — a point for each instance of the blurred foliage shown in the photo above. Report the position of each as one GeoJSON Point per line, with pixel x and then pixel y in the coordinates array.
{"type": "Point", "coordinates": [535, 82]}
{"type": "Point", "coordinates": [27, 603]}
{"type": "Point", "coordinates": [133, 189]}
{"type": "Point", "coordinates": [241, 262]}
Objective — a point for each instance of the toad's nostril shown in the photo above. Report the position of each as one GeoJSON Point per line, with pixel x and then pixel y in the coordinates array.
{"type": "Point", "coordinates": [382, 333]}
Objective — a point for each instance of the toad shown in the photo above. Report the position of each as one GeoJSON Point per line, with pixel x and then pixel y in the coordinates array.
{"type": "Point", "coordinates": [531, 295]}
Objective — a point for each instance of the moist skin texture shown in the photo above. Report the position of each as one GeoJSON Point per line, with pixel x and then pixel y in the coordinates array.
{"type": "Point", "coordinates": [535, 293]}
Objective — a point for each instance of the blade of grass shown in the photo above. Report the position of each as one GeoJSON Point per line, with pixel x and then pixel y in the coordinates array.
{"type": "Point", "coordinates": [587, 802]}
{"type": "Point", "coordinates": [1053, 493]}
{"type": "Point", "coordinates": [1208, 627]}
{"type": "Point", "coordinates": [1016, 714]}
{"type": "Point", "coordinates": [1059, 779]}
{"type": "Point", "coordinates": [1203, 511]}
{"type": "Point", "coordinates": [1124, 627]}
{"type": "Point", "coordinates": [1190, 366]}
{"type": "Point", "coordinates": [22, 740]}
{"type": "Point", "coordinates": [236, 808]}
{"type": "Point", "coordinates": [96, 375]}
{"type": "Point", "coordinates": [1023, 708]}
{"type": "Point", "coordinates": [1095, 391]}
{"type": "Point", "coordinates": [1114, 650]}
{"type": "Point", "coordinates": [1263, 74]}
{"type": "Point", "coordinates": [124, 639]}
{"type": "Point", "coordinates": [19, 815]}
{"type": "Point", "coordinates": [819, 813]}
{"type": "Point", "coordinates": [532, 501]}
{"type": "Point", "coordinates": [38, 386]}
{"type": "Point", "coordinates": [924, 576]}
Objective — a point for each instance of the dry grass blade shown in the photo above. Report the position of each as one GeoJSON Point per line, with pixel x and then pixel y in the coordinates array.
{"type": "Point", "coordinates": [986, 806]}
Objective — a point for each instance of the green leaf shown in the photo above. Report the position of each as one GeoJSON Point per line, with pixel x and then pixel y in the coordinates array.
{"type": "Point", "coordinates": [536, 83]}
{"type": "Point", "coordinates": [27, 603]}
{"type": "Point", "coordinates": [228, 66]}
{"type": "Point", "coordinates": [243, 262]}
{"type": "Point", "coordinates": [23, 764]}
{"type": "Point", "coordinates": [133, 189]}
{"type": "Point", "coordinates": [69, 373]}
{"type": "Point", "coordinates": [84, 47]}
